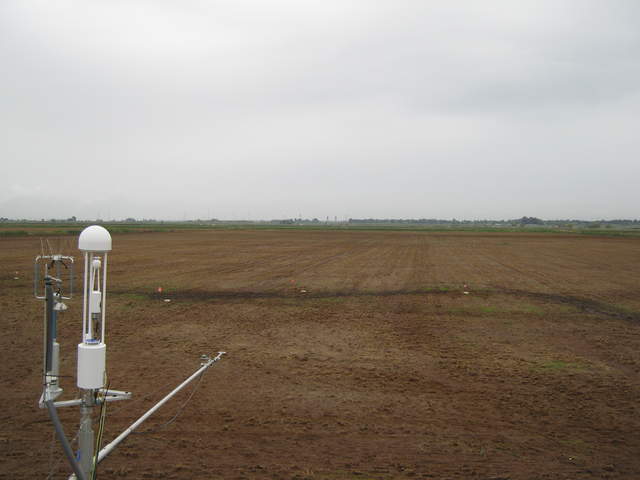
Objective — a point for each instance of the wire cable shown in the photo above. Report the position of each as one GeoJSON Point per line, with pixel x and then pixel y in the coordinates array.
{"type": "Point", "coordinates": [103, 416]}
{"type": "Point", "coordinates": [126, 405]}
{"type": "Point", "coordinates": [178, 412]}
{"type": "Point", "coordinates": [61, 457]}
{"type": "Point", "coordinates": [66, 447]}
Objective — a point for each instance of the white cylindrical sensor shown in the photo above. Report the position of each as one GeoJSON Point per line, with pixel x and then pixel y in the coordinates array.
{"type": "Point", "coordinates": [55, 360]}
{"type": "Point", "coordinates": [94, 302]}
{"type": "Point", "coordinates": [91, 365]}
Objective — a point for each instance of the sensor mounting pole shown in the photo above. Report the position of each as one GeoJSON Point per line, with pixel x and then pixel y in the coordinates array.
{"type": "Point", "coordinates": [95, 243]}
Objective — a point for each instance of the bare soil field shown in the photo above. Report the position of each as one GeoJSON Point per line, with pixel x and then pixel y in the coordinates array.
{"type": "Point", "coordinates": [351, 355]}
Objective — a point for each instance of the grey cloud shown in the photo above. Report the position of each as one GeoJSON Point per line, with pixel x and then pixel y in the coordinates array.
{"type": "Point", "coordinates": [476, 109]}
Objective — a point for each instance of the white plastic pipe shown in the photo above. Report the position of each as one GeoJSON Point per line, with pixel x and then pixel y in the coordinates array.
{"type": "Point", "coordinates": [104, 297]}
{"type": "Point", "coordinates": [89, 332]}
{"type": "Point", "coordinates": [108, 448]}
{"type": "Point", "coordinates": [84, 298]}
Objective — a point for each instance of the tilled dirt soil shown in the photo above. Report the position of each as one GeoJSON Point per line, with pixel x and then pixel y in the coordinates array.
{"type": "Point", "coordinates": [350, 355]}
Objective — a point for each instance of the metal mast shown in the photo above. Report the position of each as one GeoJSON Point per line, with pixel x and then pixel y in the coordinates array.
{"type": "Point", "coordinates": [95, 243]}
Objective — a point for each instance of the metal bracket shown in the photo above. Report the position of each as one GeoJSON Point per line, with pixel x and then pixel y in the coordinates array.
{"type": "Point", "coordinates": [104, 395]}
{"type": "Point", "coordinates": [46, 266]}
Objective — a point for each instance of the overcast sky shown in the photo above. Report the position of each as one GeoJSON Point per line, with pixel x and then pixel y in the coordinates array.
{"type": "Point", "coordinates": [271, 109]}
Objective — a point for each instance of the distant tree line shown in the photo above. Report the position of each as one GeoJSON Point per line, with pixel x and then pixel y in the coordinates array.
{"type": "Point", "coordinates": [522, 221]}
{"type": "Point", "coordinates": [512, 222]}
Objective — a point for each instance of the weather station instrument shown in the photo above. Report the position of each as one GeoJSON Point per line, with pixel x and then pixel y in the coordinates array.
{"type": "Point", "coordinates": [95, 244]}
{"type": "Point", "coordinates": [52, 268]}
